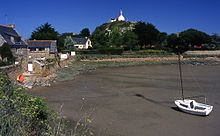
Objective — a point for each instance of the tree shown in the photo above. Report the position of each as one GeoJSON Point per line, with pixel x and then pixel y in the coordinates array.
{"type": "Point", "coordinates": [147, 33]}
{"type": "Point", "coordinates": [195, 37]}
{"type": "Point", "coordinates": [85, 32]}
{"type": "Point", "coordinates": [69, 43]}
{"type": "Point", "coordinates": [44, 32]}
{"type": "Point", "coordinates": [99, 37]}
{"type": "Point", "coordinates": [162, 41]}
{"type": "Point", "coordinates": [5, 52]}
{"type": "Point", "coordinates": [115, 39]}
{"type": "Point", "coordinates": [177, 44]}
{"type": "Point", "coordinates": [130, 40]}
{"type": "Point", "coordinates": [47, 32]}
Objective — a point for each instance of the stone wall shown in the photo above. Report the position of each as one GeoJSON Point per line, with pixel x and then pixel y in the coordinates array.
{"type": "Point", "coordinates": [20, 52]}
{"type": "Point", "coordinates": [40, 54]}
{"type": "Point", "coordinates": [216, 52]}
{"type": "Point", "coordinates": [52, 67]}
{"type": "Point", "coordinates": [12, 71]}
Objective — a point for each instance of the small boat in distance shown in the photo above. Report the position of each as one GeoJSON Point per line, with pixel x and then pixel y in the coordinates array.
{"type": "Point", "coordinates": [191, 106]}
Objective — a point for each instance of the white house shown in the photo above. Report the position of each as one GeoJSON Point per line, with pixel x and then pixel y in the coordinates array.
{"type": "Point", "coordinates": [82, 43]}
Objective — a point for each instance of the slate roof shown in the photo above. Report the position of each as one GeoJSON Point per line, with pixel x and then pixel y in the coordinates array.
{"type": "Point", "coordinates": [80, 40]}
{"type": "Point", "coordinates": [52, 44]}
{"type": "Point", "coordinates": [8, 32]}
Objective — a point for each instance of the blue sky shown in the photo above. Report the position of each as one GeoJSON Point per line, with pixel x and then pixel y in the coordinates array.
{"type": "Point", "coordinates": [169, 16]}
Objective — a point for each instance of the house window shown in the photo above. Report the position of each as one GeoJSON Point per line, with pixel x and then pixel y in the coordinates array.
{"type": "Point", "coordinates": [32, 49]}
{"type": "Point", "coordinates": [41, 49]}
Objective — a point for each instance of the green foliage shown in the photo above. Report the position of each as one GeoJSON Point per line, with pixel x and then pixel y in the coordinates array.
{"type": "Point", "coordinates": [69, 43]}
{"type": "Point", "coordinates": [110, 34]}
{"type": "Point", "coordinates": [44, 32]}
{"type": "Point", "coordinates": [195, 37]}
{"type": "Point", "coordinates": [162, 41]}
{"type": "Point", "coordinates": [147, 34]}
{"type": "Point", "coordinates": [177, 44]}
{"type": "Point", "coordinates": [47, 32]}
{"type": "Point", "coordinates": [153, 52]}
{"type": "Point", "coordinates": [3, 63]}
{"type": "Point", "coordinates": [115, 38]}
{"type": "Point", "coordinates": [131, 40]}
{"type": "Point", "coordinates": [53, 60]}
{"type": "Point", "coordinates": [111, 50]}
{"type": "Point", "coordinates": [99, 37]}
{"type": "Point", "coordinates": [85, 32]}
{"type": "Point", "coordinates": [61, 41]}
{"type": "Point", "coordinates": [5, 52]}
{"type": "Point", "coordinates": [187, 39]}
{"type": "Point", "coordinates": [118, 25]}
{"type": "Point", "coordinates": [21, 114]}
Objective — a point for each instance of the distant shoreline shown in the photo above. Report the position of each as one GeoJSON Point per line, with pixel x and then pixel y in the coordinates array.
{"type": "Point", "coordinates": [85, 65]}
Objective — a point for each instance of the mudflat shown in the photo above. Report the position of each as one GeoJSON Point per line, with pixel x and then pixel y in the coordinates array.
{"type": "Point", "coordinates": [139, 100]}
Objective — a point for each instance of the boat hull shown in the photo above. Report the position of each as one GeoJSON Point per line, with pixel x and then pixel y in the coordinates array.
{"type": "Point", "coordinates": [192, 107]}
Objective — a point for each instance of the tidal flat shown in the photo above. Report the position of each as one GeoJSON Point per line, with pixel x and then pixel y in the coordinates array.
{"type": "Point", "coordinates": [138, 100]}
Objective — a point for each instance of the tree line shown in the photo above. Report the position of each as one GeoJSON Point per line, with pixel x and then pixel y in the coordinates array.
{"type": "Point", "coordinates": [141, 36]}
{"type": "Point", "coordinates": [47, 32]}
{"type": "Point", "coordinates": [146, 35]}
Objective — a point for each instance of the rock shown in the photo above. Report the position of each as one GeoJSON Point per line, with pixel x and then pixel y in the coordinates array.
{"type": "Point", "coordinates": [45, 81]}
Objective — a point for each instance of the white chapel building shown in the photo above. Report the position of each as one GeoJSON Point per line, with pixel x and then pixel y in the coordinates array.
{"type": "Point", "coordinates": [119, 18]}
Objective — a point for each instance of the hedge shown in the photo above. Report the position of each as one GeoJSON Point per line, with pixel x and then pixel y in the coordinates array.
{"type": "Point", "coordinates": [111, 50]}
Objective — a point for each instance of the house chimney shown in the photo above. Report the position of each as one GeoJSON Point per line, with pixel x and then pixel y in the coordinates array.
{"type": "Point", "coordinates": [11, 25]}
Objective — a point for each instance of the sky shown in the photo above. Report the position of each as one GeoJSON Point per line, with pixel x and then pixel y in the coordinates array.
{"type": "Point", "coordinates": [169, 16]}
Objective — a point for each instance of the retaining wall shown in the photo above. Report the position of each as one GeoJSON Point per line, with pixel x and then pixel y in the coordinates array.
{"type": "Point", "coordinates": [12, 71]}
{"type": "Point", "coordinates": [216, 52]}
{"type": "Point", "coordinates": [54, 66]}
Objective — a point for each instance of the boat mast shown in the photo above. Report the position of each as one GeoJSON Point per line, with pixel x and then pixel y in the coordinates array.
{"type": "Point", "coordinates": [180, 70]}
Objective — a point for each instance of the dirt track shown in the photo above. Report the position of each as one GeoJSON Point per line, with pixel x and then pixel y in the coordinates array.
{"type": "Point", "coordinates": [138, 101]}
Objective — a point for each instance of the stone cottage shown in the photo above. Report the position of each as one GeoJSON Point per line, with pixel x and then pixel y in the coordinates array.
{"type": "Point", "coordinates": [42, 49]}
{"type": "Point", "coordinates": [8, 34]}
{"type": "Point", "coordinates": [82, 43]}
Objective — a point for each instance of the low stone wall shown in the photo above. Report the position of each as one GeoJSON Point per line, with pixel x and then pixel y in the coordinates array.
{"type": "Point", "coordinates": [50, 68]}
{"type": "Point", "coordinates": [216, 52]}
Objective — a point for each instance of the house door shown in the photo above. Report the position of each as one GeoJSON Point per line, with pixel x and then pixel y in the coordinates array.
{"type": "Point", "coordinates": [30, 66]}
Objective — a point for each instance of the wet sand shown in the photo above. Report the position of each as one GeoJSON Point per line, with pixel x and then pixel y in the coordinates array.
{"type": "Point", "coordinates": [139, 101]}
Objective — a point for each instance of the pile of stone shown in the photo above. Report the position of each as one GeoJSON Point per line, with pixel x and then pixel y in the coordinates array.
{"type": "Point", "coordinates": [45, 81]}
{"type": "Point", "coordinates": [31, 80]}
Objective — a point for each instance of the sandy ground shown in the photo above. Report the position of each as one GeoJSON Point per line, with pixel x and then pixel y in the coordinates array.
{"type": "Point", "coordinates": [138, 101]}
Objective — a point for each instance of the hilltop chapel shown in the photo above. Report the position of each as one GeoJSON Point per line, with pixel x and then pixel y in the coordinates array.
{"type": "Point", "coordinates": [119, 18]}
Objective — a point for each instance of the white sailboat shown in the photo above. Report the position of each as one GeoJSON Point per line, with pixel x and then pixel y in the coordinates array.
{"type": "Point", "coordinates": [189, 105]}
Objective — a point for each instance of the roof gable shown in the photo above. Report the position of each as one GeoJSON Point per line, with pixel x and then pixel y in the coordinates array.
{"type": "Point", "coordinates": [8, 32]}
{"type": "Point", "coordinates": [80, 40]}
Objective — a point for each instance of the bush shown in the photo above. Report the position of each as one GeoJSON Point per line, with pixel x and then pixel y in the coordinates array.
{"type": "Point", "coordinates": [86, 51]}
{"type": "Point", "coordinates": [21, 114]}
{"type": "Point", "coordinates": [53, 60]}
{"type": "Point", "coordinates": [111, 51]}
{"type": "Point", "coordinates": [152, 52]}
{"type": "Point", "coordinates": [5, 52]}
{"type": "Point", "coordinates": [3, 63]}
